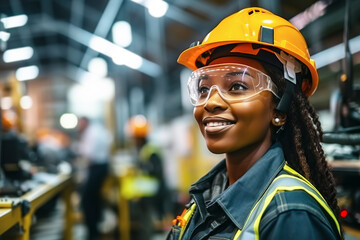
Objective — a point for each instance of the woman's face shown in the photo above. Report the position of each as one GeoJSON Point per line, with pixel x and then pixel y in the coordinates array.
{"type": "Point", "coordinates": [229, 127]}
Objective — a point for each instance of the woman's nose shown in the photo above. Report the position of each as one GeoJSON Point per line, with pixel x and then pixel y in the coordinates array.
{"type": "Point", "coordinates": [215, 99]}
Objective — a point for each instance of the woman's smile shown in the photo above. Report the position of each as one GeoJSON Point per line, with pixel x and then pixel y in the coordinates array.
{"type": "Point", "coordinates": [215, 125]}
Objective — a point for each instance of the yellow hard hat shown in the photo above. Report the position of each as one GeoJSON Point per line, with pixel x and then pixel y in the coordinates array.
{"type": "Point", "coordinates": [255, 26]}
{"type": "Point", "coordinates": [138, 126]}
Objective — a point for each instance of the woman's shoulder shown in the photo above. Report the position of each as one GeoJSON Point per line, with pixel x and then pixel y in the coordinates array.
{"type": "Point", "coordinates": [297, 212]}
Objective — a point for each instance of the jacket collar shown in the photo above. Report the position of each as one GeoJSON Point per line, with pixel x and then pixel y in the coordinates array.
{"type": "Point", "coordinates": [237, 200]}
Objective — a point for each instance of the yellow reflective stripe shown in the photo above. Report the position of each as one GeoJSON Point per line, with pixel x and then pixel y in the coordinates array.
{"type": "Point", "coordinates": [319, 198]}
{"type": "Point", "coordinates": [312, 191]}
{"type": "Point", "coordinates": [268, 199]}
{"type": "Point", "coordinates": [188, 214]}
{"type": "Point", "coordinates": [330, 212]}
{"type": "Point", "coordinates": [289, 169]}
{"type": "Point", "coordinates": [237, 235]}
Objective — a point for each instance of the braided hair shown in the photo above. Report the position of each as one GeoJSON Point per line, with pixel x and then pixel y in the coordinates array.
{"type": "Point", "coordinates": [301, 137]}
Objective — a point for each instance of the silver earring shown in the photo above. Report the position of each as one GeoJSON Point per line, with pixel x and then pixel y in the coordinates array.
{"type": "Point", "coordinates": [277, 120]}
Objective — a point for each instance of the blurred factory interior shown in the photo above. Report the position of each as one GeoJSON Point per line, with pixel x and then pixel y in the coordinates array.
{"type": "Point", "coordinates": [110, 60]}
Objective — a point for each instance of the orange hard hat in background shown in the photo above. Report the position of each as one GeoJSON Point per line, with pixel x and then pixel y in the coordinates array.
{"type": "Point", "coordinates": [250, 25]}
{"type": "Point", "coordinates": [138, 126]}
{"type": "Point", "coordinates": [8, 120]}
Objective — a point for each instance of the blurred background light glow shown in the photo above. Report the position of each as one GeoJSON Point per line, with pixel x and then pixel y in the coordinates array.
{"type": "Point", "coordinates": [121, 33]}
{"type": "Point", "coordinates": [26, 102]}
{"type": "Point", "coordinates": [68, 121]}
{"type": "Point", "coordinates": [128, 58]}
{"type": "Point", "coordinates": [4, 36]}
{"type": "Point", "coordinates": [98, 66]}
{"type": "Point", "coordinates": [157, 8]}
{"type": "Point", "coordinates": [6, 103]}
{"type": "Point", "coordinates": [27, 73]}
{"type": "Point", "coordinates": [15, 21]}
{"type": "Point", "coordinates": [18, 54]}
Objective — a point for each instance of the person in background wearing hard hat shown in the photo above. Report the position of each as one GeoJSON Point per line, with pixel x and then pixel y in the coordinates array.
{"type": "Point", "coordinates": [252, 76]}
{"type": "Point", "coordinates": [94, 148]}
{"type": "Point", "coordinates": [150, 165]}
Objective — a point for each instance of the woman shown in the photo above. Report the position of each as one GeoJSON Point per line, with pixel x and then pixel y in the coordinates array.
{"type": "Point", "coordinates": [252, 76]}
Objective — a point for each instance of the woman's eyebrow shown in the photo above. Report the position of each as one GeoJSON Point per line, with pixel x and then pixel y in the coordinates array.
{"type": "Point", "coordinates": [238, 73]}
{"type": "Point", "coordinates": [203, 77]}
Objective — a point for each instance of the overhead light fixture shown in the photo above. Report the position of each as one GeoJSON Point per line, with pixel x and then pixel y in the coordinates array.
{"type": "Point", "coordinates": [18, 54]}
{"type": "Point", "coordinates": [26, 102]}
{"type": "Point", "coordinates": [109, 49]}
{"type": "Point", "coordinates": [156, 8]}
{"type": "Point", "coordinates": [68, 121]}
{"type": "Point", "coordinates": [98, 66]}
{"type": "Point", "coordinates": [6, 103]}
{"type": "Point", "coordinates": [101, 45]}
{"type": "Point", "coordinates": [4, 36]}
{"type": "Point", "coordinates": [27, 73]}
{"type": "Point", "coordinates": [128, 59]}
{"type": "Point", "coordinates": [14, 21]}
{"type": "Point", "coordinates": [121, 33]}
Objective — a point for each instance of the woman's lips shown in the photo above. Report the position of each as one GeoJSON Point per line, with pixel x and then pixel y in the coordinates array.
{"type": "Point", "coordinates": [216, 126]}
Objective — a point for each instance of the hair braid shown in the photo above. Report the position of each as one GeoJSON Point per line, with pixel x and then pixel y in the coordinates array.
{"type": "Point", "coordinates": [301, 141]}
{"type": "Point", "coordinates": [298, 142]}
{"type": "Point", "coordinates": [303, 129]}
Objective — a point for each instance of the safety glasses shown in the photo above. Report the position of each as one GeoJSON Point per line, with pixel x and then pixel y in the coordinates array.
{"type": "Point", "coordinates": [234, 82]}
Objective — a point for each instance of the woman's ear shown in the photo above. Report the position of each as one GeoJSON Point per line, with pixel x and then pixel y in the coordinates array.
{"type": "Point", "coordinates": [279, 118]}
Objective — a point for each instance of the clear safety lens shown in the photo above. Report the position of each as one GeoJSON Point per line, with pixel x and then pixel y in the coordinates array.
{"type": "Point", "coordinates": [234, 82]}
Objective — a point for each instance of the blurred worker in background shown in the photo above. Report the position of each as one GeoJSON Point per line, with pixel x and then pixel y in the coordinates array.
{"type": "Point", "coordinates": [94, 147]}
{"type": "Point", "coordinates": [15, 150]}
{"type": "Point", "coordinates": [250, 87]}
{"type": "Point", "coordinates": [149, 162]}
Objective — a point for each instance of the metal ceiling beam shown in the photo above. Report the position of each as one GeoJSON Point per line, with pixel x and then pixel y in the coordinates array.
{"type": "Point", "coordinates": [185, 18]}
{"type": "Point", "coordinates": [103, 27]}
{"type": "Point", "coordinates": [17, 8]}
{"type": "Point", "coordinates": [273, 5]}
{"type": "Point", "coordinates": [201, 6]}
{"type": "Point", "coordinates": [84, 37]}
{"type": "Point", "coordinates": [57, 51]}
{"type": "Point", "coordinates": [76, 18]}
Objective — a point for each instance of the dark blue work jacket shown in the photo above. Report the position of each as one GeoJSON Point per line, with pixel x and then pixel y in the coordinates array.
{"type": "Point", "coordinates": [221, 210]}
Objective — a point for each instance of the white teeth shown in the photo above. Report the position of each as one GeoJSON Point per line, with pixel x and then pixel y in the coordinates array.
{"type": "Point", "coordinates": [215, 124]}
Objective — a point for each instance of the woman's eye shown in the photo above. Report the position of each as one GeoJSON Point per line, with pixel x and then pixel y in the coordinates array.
{"type": "Point", "coordinates": [237, 87]}
{"type": "Point", "coordinates": [203, 90]}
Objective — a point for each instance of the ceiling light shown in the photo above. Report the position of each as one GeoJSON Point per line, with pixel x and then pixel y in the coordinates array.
{"type": "Point", "coordinates": [27, 73]}
{"type": "Point", "coordinates": [14, 21]}
{"type": "Point", "coordinates": [26, 102]}
{"type": "Point", "coordinates": [157, 8]}
{"type": "Point", "coordinates": [18, 54]}
{"type": "Point", "coordinates": [6, 103]}
{"type": "Point", "coordinates": [68, 121]}
{"type": "Point", "coordinates": [98, 66]}
{"type": "Point", "coordinates": [127, 58]}
{"type": "Point", "coordinates": [121, 33]}
{"type": "Point", "coordinates": [101, 45]}
{"type": "Point", "coordinates": [4, 36]}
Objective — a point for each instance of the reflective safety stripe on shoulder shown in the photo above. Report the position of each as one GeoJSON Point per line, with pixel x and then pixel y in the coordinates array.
{"type": "Point", "coordinates": [284, 182]}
